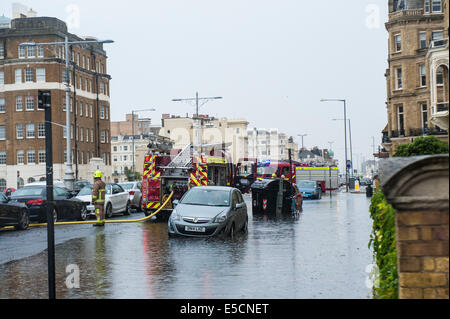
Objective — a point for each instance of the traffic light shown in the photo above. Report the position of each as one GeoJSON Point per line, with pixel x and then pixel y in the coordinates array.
{"type": "Point", "coordinates": [44, 100]}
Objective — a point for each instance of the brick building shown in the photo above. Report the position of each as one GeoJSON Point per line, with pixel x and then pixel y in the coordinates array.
{"type": "Point", "coordinates": [24, 71]}
{"type": "Point", "coordinates": [141, 126]}
{"type": "Point", "coordinates": [417, 87]}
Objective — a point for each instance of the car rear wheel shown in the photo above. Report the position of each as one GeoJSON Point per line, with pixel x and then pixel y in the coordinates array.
{"type": "Point", "coordinates": [127, 209]}
{"type": "Point", "coordinates": [109, 212]}
{"type": "Point", "coordinates": [24, 221]}
{"type": "Point", "coordinates": [245, 227]}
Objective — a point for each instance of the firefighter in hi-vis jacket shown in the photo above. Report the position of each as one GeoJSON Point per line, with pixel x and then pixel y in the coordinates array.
{"type": "Point", "coordinates": [98, 198]}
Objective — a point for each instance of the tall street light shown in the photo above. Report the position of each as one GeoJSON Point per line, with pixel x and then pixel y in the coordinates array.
{"type": "Point", "coordinates": [68, 176]}
{"type": "Point", "coordinates": [351, 148]}
{"type": "Point", "coordinates": [302, 136]}
{"type": "Point", "coordinates": [132, 129]}
{"type": "Point", "coordinates": [345, 129]}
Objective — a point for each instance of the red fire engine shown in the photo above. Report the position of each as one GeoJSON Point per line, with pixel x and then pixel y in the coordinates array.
{"type": "Point", "coordinates": [165, 173]}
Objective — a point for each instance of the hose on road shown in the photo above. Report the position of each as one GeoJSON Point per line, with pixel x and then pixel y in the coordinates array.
{"type": "Point", "coordinates": [108, 221]}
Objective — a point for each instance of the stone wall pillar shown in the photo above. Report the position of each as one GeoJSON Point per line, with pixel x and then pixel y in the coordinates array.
{"type": "Point", "coordinates": [418, 188]}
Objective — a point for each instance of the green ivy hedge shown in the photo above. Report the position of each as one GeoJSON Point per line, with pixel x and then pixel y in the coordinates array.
{"type": "Point", "coordinates": [383, 242]}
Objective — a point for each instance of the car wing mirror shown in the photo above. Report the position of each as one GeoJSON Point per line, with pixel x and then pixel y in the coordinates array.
{"type": "Point", "coordinates": [175, 202]}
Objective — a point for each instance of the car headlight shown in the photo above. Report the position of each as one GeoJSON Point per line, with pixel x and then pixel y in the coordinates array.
{"type": "Point", "coordinates": [221, 217]}
{"type": "Point", "coordinates": [175, 215]}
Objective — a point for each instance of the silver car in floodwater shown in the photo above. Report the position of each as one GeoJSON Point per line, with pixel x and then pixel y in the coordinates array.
{"type": "Point", "coordinates": [209, 211]}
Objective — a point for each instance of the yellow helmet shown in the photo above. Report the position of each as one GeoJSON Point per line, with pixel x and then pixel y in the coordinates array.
{"type": "Point", "coordinates": [98, 174]}
{"type": "Point", "coordinates": [274, 175]}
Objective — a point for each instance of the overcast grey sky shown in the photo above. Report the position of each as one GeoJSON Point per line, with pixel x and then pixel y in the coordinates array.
{"type": "Point", "coordinates": [271, 60]}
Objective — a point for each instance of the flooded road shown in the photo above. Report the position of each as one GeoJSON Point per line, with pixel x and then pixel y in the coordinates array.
{"type": "Point", "coordinates": [322, 254]}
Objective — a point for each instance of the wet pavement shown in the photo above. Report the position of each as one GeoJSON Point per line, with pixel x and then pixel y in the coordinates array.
{"type": "Point", "coordinates": [322, 254]}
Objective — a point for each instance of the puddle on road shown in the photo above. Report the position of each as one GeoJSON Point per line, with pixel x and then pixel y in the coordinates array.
{"type": "Point", "coordinates": [322, 254]}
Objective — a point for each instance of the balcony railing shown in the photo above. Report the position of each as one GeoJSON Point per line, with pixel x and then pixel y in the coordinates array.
{"type": "Point", "coordinates": [415, 132]}
{"type": "Point", "coordinates": [406, 13]}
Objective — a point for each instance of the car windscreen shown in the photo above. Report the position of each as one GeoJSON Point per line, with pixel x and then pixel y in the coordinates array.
{"type": "Point", "coordinates": [207, 197]}
{"type": "Point", "coordinates": [85, 191]}
{"type": "Point", "coordinates": [126, 186]}
{"type": "Point", "coordinates": [306, 184]}
{"type": "Point", "coordinates": [28, 191]}
{"type": "Point", "coordinates": [267, 170]}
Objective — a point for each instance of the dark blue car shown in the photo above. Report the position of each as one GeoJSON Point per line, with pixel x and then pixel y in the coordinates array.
{"type": "Point", "coordinates": [310, 189]}
{"type": "Point", "coordinates": [65, 205]}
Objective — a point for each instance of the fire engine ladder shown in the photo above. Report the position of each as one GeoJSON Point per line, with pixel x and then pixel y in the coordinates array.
{"type": "Point", "coordinates": [183, 159]}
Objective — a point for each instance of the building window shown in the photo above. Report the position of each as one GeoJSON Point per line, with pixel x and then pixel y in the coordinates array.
{"type": "Point", "coordinates": [422, 75]}
{"type": "Point", "coordinates": [87, 110]}
{"type": "Point", "coordinates": [41, 130]}
{"type": "Point", "coordinates": [30, 130]}
{"type": "Point", "coordinates": [92, 135]}
{"type": "Point", "coordinates": [102, 112]}
{"type": "Point", "coordinates": [31, 51]}
{"type": "Point", "coordinates": [29, 75]}
{"type": "Point", "coordinates": [102, 88]}
{"type": "Point", "coordinates": [20, 157]}
{"type": "Point", "coordinates": [90, 110]}
{"type": "Point", "coordinates": [437, 6]}
{"type": "Point", "coordinates": [2, 78]}
{"type": "Point", "coordinates": [2, 132]}
{"type": "Point", "coordinates": [18, 74]}
{"type": "Point", "coordinates": [40, 49]}
{"type": "Point", "coordinates": [41, 156]}
{"type": "Point", "coordinates": [440, 76]}
{"type": "Point", "coordinates": [422, 40]}
{"type": "Point", "coordinates": [81, 134]}
{"type": "Point", "coordinates": [40, 75]}
{"type": "Point", "coordinates": [83, 63]}
{"type": "Point", "coordinates": [2, 51]}
{"type": "Point", "coordinates": [21, 51]}
{"type": "Point", "coordinates": [2, 105]}
{"type": "Point", "coordinates": [401, 120]}
{"type": "Point", "coordinates": [398, 42]}
{"type": "Point", "coordinates": [29, 101]}
{"type": "Point", "coordinates": [31, 157]}
{"type": "Point", "coordinates": [3, 158]}
{"type": "Point", "coordinates": [31, 180]}
{"type": "Point", "coordinates": [19, 131]}
{"type": "Point", "coordinates": [102, 137]}
{"type": "Point", "coordinates": [87, 135]}
{"type": "Point", "coordinates": [19, 103]}
{"type": "Point", "coordinates": [398, 79]}
{"type": "Point", "coordinates": [437, 35]}
{"type": "Point", "coordinates": [424, 110]}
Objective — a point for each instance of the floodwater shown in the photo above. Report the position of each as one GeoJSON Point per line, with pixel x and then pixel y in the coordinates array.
{"type": "Point", "coordinates": [322, 254]}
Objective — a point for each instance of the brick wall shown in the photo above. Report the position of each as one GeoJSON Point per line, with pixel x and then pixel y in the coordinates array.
{"type": "Point", "coordinates": [418, 188]}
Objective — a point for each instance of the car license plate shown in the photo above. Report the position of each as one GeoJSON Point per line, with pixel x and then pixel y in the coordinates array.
{"type": "Point", "coordinates": [90, 207]}
{"type": "Point", "coordinates": [195, 229]}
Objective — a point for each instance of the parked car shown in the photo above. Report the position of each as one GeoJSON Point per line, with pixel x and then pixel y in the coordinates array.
{"type": "Point", "coordinates": [116, 200]}
{"type": "Point", "coordinates": [208, 211]}
{"type": "Point", "coordinates": [134, 189]}
{"type": "Point", "coordinates": [310, 189]}
{"type": "Point", "coordinates": [13, 214]}
{"type": "Point", "coordinates": [66, 206]}
{"type": "Point", "coordinates": [365, 181]}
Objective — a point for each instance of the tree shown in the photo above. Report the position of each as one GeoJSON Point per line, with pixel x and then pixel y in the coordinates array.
{"type": "Point", "coordinates": [422, 146]}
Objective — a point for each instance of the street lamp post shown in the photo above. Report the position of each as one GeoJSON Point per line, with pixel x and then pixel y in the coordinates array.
{"type": "Point", "coordinates": [132, 130]}
{"type": "Point", "coordinates": [351, 147]}
{"type": "Point", "coordinates": [302, 136]}
{"type": "Point", "coordinates": [345, 129]}
{"type": "Point", "coordinates": [68, 175]}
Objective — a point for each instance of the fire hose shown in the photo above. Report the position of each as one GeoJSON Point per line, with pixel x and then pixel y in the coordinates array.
{"type": "Point", "coordinates": [108, 221]}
